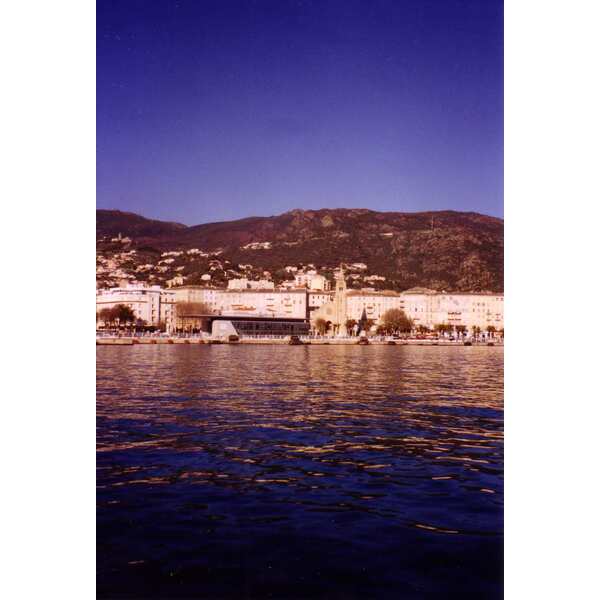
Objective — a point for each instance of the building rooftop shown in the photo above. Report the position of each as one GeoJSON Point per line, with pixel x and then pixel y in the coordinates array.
{"type": "Point", "coordinates": [373, 293]}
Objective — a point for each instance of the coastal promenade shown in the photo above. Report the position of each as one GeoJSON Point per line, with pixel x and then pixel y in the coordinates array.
{"type": "Point", "coordinates": [284, 341]}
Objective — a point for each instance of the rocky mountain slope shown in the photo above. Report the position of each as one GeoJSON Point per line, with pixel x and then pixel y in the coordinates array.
{"type": "Point", "coordinates": [443, 250]}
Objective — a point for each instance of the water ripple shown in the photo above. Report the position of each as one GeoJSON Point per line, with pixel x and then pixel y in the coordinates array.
{"type": "Point", "coordinates": [215, 453]}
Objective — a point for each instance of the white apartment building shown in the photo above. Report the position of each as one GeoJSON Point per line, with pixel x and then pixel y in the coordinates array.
{"type": "Point", "coordinates": [375, 304]}
{"type": "Point", "coordinates": [243, 283]}
{"type": "Point", "coordinates": [152, 304]}
{"type": "Point", "coordinates": [469, 309]}
{"type": "Point", "coordinates": [211, 297]}
{"type": "Point", "coordinates": [312, 280]}
{"type": "Point", "coordinates": [252, 302]}
{"type": "Point", "coordinates": [317, 299]}
{"type": "Point", "coordinates": [289, 304]}
{"type": "Point", "coordinates": [423, 306]}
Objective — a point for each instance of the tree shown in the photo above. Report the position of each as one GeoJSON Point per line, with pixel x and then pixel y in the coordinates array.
{"type": "Point", "coordinates": [321, 326]}
{"type": "Point", "coordinates": [192, 309]}
{"type": "Point", "coordinates": [395, 320]}
{"type": "Point", "coordinates": [423, 329]}
{"type": "Point", "coordinates": [123, 314]}
{"type": "Point", "coordinates": [369, 324]}
{"type": "Point", "coordinates": [491, 330]}
{"type": "Point", "coordinates": [442, 328]}
{"type": "Point", "coordinates": [502, 333]}
{"type": "Point", "coordinates": [106, 316]}
{"type": "Point", "coordinates": [350, 323]}
{"type": "Point", "coordinates": [191, 314]}
{"type": "Point", "coordinates": [461, 329]}
{"type": "Point", "coordinates": [476, 331]}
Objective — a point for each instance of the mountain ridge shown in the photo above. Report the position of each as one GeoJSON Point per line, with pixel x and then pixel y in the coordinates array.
{"type": "Point", "coordinates": [452, 250]}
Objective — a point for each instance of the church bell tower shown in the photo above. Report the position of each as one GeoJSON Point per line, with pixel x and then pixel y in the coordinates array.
{"type": "Point", "coordinates": [341, 303]}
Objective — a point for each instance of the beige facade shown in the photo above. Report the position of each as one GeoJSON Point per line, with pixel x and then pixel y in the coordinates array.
{"type": "Point", "coordinates": [211, 297]}
{"type": "Point", "coordinates": [471, 310]}
{"type": "Point", "coordinates": [425, 307]}
{"type": "Point", "coordinates": [374, 304]}
{"type": "Point", "coordinates": [255, 303]}
{"type": "Point", "coordinates": [317, 299]}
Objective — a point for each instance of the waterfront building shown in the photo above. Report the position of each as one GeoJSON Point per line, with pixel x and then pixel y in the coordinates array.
{"type": "Point", "coordinates": [373, 304]}
{"type": "Point", "coordinates": [222, 326]}
{"type": "Point", "coordinates": [476, 309]}
{"type": "Point", "coordinates": [265, 303]}
{"type": "Point", "coordinates": [316, 299]}
{"type": "Point", "coordinates": [424, 306]}
{"type": "Point", "coordinates": [151, 304]}
{"type": "Point", "coordinates": [196, 294]}
{"type": "Point", "coordinates": [271, 303]}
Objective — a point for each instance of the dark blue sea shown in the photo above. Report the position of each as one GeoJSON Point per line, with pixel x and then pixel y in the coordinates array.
{"type": "Point", "coordinates": [339, 472]}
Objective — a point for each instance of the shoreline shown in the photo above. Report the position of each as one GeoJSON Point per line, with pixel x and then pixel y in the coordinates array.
{"type": "Point", "coordinates": [134, 341]}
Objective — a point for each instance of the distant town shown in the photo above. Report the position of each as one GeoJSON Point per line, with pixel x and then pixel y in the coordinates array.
{"type": "Point", "coordinates": [321, 301]}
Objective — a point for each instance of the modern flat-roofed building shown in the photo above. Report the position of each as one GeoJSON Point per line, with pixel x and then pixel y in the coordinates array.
{"type": "Point", "coordinates": [223, 326]}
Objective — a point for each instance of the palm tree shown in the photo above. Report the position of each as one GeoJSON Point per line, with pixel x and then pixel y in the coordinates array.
{"type": "Point", "coordinates": [461, 330]}
{"type": "Point", "coordinates": [491, 330]}
{"type": "Point", "coordinates": [350, 323]}
{"type": "Point", "coordinates": [476, 331]}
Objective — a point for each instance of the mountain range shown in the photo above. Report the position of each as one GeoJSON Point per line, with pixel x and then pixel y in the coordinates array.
{"type": "Point", "coordinates": [442, 250]}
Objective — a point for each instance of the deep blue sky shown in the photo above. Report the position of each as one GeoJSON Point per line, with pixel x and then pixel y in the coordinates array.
{"type": "Point", "coordinates": [211, 111]}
